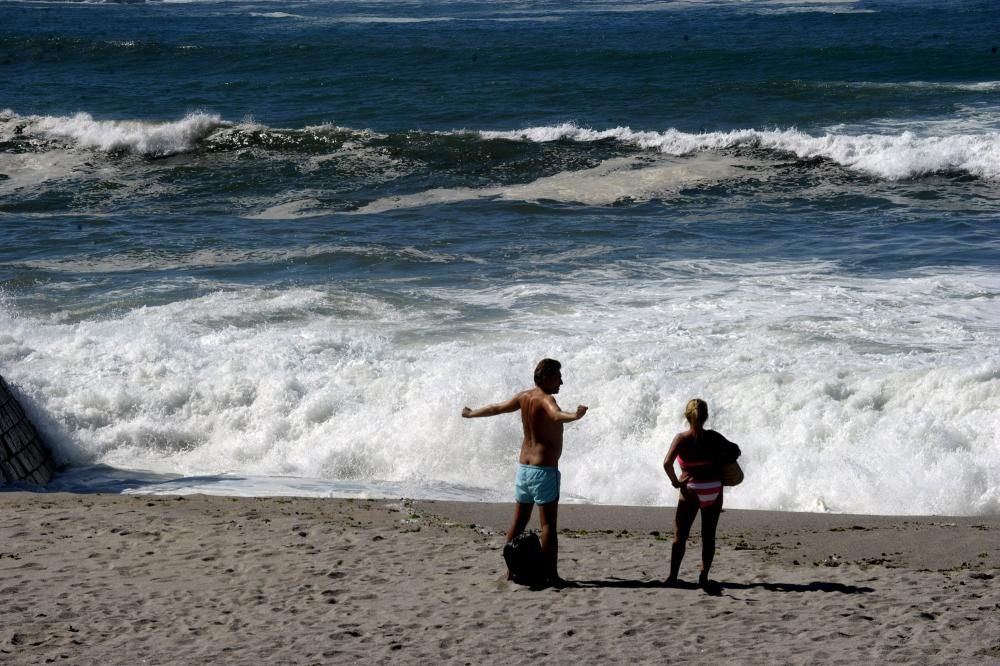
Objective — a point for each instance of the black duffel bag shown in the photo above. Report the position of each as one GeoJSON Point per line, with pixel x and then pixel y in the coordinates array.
{"type": "Point", "coordinates": [524, 558]}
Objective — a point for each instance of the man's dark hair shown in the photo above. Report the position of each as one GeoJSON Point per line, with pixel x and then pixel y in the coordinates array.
{"type": "Point", "coordinates": [546, 368]}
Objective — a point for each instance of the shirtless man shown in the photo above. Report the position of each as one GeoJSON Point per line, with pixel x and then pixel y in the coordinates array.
{"type": "Point", "coordinates": [538, 476]}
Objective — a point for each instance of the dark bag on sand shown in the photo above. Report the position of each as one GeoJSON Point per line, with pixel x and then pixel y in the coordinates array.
{"type": "Point", "coordinates": [524, 559]}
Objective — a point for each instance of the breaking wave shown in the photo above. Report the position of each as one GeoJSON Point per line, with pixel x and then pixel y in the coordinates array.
{"type": "Point", "coordinates": [889, 156]}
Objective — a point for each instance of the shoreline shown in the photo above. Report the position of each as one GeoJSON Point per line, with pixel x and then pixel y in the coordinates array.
{"type": "Point", "coordinates": [920, 542]}
{"type": "Point", "coordinates": [196, 579]}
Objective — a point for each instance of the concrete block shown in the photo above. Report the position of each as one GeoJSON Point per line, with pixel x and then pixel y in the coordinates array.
{"type": "Point", "coordinates": [23, 456]}
{"type": "Point", "coordinates": [7, 473]}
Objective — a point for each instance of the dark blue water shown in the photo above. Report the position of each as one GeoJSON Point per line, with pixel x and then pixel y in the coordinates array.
{"type": "Point", "coordinates": [498, 65]}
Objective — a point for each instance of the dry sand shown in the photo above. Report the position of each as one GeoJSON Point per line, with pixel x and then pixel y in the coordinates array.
{"type": "Point", "coordinates": [113, 579]}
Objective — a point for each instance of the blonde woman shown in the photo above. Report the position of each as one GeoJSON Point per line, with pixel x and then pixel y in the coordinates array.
{"type": "Point", "coordinates": [699, 453]}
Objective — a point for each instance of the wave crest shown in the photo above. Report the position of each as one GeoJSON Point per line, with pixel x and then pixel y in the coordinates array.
{"type": "Point", "coordinates": [892, 155]}
{"type": "Point", "coordinates": [149, 138]}
{"type": "Point", "coordinates": [889, 156]}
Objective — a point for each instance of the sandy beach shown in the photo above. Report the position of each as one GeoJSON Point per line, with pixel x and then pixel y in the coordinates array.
{"type": "Point", "coordinates": [129, 579]}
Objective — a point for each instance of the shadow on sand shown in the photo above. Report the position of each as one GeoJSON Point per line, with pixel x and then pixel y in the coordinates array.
{"type": "Point", "coordinates": [815, 586]}
{"type": "Point", "coordinates": [716, 588]}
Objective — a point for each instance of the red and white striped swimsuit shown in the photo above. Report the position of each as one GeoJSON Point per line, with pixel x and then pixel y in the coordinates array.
{"type": "Point", "coordinates": [707, 490]}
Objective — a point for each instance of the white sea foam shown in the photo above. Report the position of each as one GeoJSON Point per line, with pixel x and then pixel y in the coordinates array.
{"type": "Point", "coordinates": [35, 170]}
{"type": "Point", "coordinates": [159, 260]}
{"type": "Point", "coordinates": [974, 120]}
{"type": "Point", "coordinates": [749, 6]}
{"type": "Point", "coordinates": [975, 86]}
{"type": "Point", "coordinates": [967, 142]}
{"type": "Point", "coordinates": [831, 8]}
{"type": "Point", "coordinates": [394, 19]}
{"type": "Point", "coordinates": [287, 210]}
{"type": "Point", "coordinates": [332, 128]}
{"type": "Point", "coordinates": [376, 19]}
{"type": "Point", "coordinates": [275, 15]}
{"type": "Point", "coordinates": [27, 170]}
{"type": "Point", "coordinates": [615, 180]}
{"type": "Point", "coordinates": [138, 136]}
{"type": "Point", "coordinates": [795, 6]}
{"type": "Point", "coordinates": [847, 393]}
{"type": "Point", "coordinates": [890, 156]}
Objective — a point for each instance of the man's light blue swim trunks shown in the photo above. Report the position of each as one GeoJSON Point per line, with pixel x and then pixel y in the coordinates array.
{"type": "Point", "coordinates": [536, 485]}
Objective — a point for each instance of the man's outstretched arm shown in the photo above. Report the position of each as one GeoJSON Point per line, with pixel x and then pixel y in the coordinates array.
{"type": "Point", "coordinates": [506, 407]}
{"type": "Point", "coordinates": [559, 416]}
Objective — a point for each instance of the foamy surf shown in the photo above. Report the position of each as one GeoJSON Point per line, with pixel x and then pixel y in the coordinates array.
{"type": "Point", "coordinates": [847, 394]}
{"type": "Point", "coordinates": [892, 157]}
{"type": "Point", "coordinates": [110, 480]}
{"type": "Point", "coordinates": [968, 144]}
{"type": "Point", "coordinates": [619, 180]}
{"type": "Point", "coordinates": [144, 137]}
{"type": "Point", "coordinates": [161, 261]}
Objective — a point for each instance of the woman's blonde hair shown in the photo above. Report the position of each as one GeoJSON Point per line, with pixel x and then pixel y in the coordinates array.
{"type": "Point", "coordinates": [696, 412]}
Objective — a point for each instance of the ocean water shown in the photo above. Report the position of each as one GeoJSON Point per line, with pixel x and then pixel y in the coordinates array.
{"type": "Point", "coordinates": [262, 247]}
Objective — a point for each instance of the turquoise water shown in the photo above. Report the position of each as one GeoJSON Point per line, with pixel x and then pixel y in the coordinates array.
{"type": "Point", "coordinates": [281, 239]}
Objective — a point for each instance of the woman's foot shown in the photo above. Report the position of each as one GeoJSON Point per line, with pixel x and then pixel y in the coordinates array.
{"type": "Point", "coordinates": [711, 587]}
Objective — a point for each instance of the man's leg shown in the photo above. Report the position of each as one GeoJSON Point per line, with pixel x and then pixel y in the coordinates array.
{"type": "Point", "coordinates": [548, 515]}
{"type": "Point", "coordinates": [683, 519]}
{"type": "Point", "coordinates": [522, 514]}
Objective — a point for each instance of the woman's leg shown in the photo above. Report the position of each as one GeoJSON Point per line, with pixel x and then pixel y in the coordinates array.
{"type": "Point", "coordinates": [683, 519]}
{"type": "Point", "coordinates": [709, 523]}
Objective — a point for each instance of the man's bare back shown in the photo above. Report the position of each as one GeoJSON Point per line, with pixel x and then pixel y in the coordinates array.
{"type": "Point", "coordinates": [543, 435]}
{"type": "Point", "coordinates": [541, 420]}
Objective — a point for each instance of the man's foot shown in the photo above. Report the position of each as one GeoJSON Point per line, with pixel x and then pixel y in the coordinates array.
{"type": "Point", "coordinates": [672, 581]}
{"type": "Point", "coordinates": [558, 583]}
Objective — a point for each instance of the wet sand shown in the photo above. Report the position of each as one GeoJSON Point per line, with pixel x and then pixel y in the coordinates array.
{"type": "Point", "coordinates": [118, 579]}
